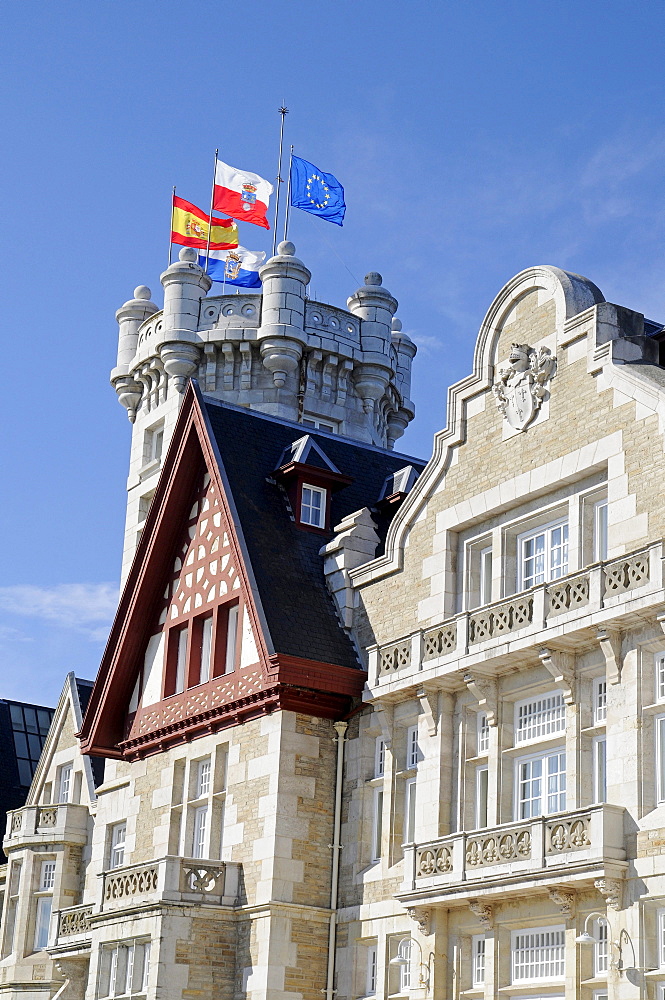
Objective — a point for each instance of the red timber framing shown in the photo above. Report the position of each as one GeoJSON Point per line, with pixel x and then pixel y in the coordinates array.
{"type": "Point", "coordinates": [178, 579]}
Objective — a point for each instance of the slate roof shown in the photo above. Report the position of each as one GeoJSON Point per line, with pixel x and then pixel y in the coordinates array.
{"type": "Point", "coordinates": [285, 559]}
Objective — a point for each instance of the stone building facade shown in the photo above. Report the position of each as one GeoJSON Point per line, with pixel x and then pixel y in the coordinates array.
{"type": "Point", "coordinates": [371, 728]}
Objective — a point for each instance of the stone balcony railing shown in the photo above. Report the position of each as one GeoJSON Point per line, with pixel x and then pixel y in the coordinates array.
{"type": "Point", "coordinates": [65, 822]}
{"type": "Point", "coordinates": [563, 602]}
{"type": "Point", "coordinates": [570, 841]}
{"type": "Point", "coordinates": [186, 880]}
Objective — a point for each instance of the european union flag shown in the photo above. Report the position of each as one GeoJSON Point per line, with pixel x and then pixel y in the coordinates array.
{"type": "Point", "coordinates": [316, 192]}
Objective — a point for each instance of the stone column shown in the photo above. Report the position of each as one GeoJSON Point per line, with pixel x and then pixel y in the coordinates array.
{"type": "Point", "coordinates": [185, 284]}
{"type": "Point", "coordinates": [130, 316]}
{"type": "Point", "coordinates": [375, 306]}
{"type": "Point", "coordinates": [281, 335]}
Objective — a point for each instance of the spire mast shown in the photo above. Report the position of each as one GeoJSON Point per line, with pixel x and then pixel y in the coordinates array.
{"type": "Point", "coordinates": [283, 112]}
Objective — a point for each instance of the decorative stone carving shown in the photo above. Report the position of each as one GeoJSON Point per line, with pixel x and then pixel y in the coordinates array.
{"type": "Point", "coordinates": [564, 899]}
{"type": "Point", "coordinates": [562, 668]}
{"type": "Point", "coordinates": [498, 848]}
{"type": "Point", "coordinates": [200, 877]}
{"type": "Point", "coordinates": [610, 644]}
{"type": "Point", "coordinates": [483, 911]}
{"type": "Point", "coordinates": [422, 918]}
{"type": "Point", "coordinates": [394, 657]}
{"type": "Point", "coordinates": [520, 388]}
{"type": "Point", "coordinates": [514, 614]}
{"type": "Point", "coordinates": [75, 920]}
{"type": "Point", "coordinates": [567, 835]}
{"type": "Point", "coordinates": [484, 690]}
{"type": "Point", "coordinates": [611, 889]}
{"type": "Point", "coordinates": [47, 816]}
{"type": "Point", "coordinates": [136, 882]}
{"type": "Point", "coordinates": [439, 641]}
{"type": "Point", "coordinates": [434, 861]}
{"type": "Point", "coordinates": [384, 716]}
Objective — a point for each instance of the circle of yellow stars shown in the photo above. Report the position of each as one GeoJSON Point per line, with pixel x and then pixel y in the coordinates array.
{"type": "Point", "coordinates": [308, 191]}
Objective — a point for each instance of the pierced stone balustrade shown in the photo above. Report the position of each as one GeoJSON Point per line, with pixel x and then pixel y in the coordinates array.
{"type": "Point", "coordinates": [65, 822]}
{"type": "Point", "coordinates": [395, 657]}
{"type": "Point", "coordinates": [74, 922]}
{"type": "Point", "coordinates": [547, 845]}
{"type": "Point", "coordinates": [188, 880]}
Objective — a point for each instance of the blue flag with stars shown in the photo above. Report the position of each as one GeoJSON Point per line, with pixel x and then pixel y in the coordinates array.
{"type": "Point", "coordinates": [316, 192]}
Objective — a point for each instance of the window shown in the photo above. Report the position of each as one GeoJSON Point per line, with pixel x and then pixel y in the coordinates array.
{"type": "Point", "coordinates": [199, 839]}
{"type": "Point", "coordinates": [65, 783]}
{"type": "Point", "coordinates": [400, 971]}
{"type": "Point", "coordinates": [197, 812]}
{"type": "Point", "coordinates": [14, 884]}
{"type": "Point", "coordinates": [599, 701]}
{"type": "Point", "coordinates": [485, 577]}
{"type": "Point", "coordinates": [154, 443]}
{"type": "Point", "coordinates": [482, 785]}
{"type": "Point", "coordinates": [600, 531]}
{"type": "Point", "coordinates": [313, 506]}
{"type": "Point", "coordinates": [379, 757]}
{"type": "Point", "coordinates": [660, 757]}
{"type": "Point", "coordinates": [539, 717]}
{"type": "Point", "coordinates": [321, 425]}
{"type": "Point", "coordinates": [203, 778]}
{"type": "Point", "coordinates": [478, 960]}
{"type": "Point", "coordinates": [410, 811]}
{"type": "Point", "coordinates": [660, 677]}
{"type": "Point", "coordinates": [541, 785]}
{"type": "Point", "coordinates": [47, 876]}
{"type": "Point", "coordinates": [231, 639]}
{"type": "Point", "coordinates": [412, 748]}
{"type": "Point", "coordinates": [377, 823]}
{"type": "Point", "coordinates": [543, 555]}
{"type": "Point", "coordinates": [600, 769]}
{"type": "Point", "coordinates": [538, 954]}
{"type": "Point", "coordinates": [124, 969]}
{"type": "Point", "coordinates": [29, 727]}
{"type": "Point", "coordinates": [117, 845]}
{"type": "Point", "coordinates": [661, 939]}
{"type": "Point", "coordinates": [370, 982]}
{"type": "Point", "coordinates": [483, 734]}
{"type": "Point", "coordinates": [601, 949]}
{"type": "Point", "coordinates": [181, 659]}
{"type": "Point", "coordinates": [42, 921]}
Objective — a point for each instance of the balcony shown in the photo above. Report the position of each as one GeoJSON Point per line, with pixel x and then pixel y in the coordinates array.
{"type": "Point", "coordinates": [53, 824]}
{"type": "Point", "coordinates": [590, 598]}
{"type": "Point", "coordinates": [571, 847]}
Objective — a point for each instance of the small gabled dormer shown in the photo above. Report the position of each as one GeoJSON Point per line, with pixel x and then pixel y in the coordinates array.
{"type": "Point", "coordinates": [309, 478]}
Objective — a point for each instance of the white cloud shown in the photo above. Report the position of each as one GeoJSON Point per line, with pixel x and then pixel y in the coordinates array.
{"type": "Point", "coordinates": [86, 608]}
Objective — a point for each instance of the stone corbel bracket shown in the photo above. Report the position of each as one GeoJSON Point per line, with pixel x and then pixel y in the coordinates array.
{"type": "Point", "coordinates": [610, 644]}
{"type": "Point", "coordinates": [562, 668]}
{"type": "Point", "coordinates": [483, 911]}
{"type": "Point", "coordinates": [422, 918]}
{"type": "Point", "coordinates": [384, 715]}
{"type": "Point", "coordinates": [484, 690]}
{"type": "Point", "coordinates": [429, 704]}
{"type": "Point", "coordinates": [611, 889]}
{"type": "Point", "coordinates": [564, 899]}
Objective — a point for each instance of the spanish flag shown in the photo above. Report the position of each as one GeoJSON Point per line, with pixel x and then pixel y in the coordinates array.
{"type": "Point", "coordinates": [189, 228]}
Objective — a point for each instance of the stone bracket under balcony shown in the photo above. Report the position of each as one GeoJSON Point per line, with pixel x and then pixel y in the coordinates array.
{"type": "Point", "coordinates": [569, 847]}
{"type": "Point", "coordinates": [535, 617]}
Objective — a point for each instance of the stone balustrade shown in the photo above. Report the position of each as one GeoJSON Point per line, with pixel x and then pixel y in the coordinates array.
{"type": "Point", "coordinates": [560, 602]}
{"type": "Point", "coordinates": [533, 846]}
{"type": "Point", "coordinates": [65, 822]}
{"type": "Point", "coordinates": [74, 922]}
{"type": "Point", "coordinates": [175, 879]}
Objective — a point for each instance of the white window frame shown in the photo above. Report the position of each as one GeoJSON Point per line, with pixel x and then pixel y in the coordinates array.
{"type": "Point", "coordinates": [65, 784]}
{"type": "Point", "coordinates": [412, 748]}
{"type": "Point", "coordinates": [482, 796]}
{"type": "Point", "coordinates": [600, 769]}
{"type": "Point", "coordinates": [203, 777]}
{"type": "Point", "coordinates": [485, 576]}
{"type": "Point", "coordinates": [659, 725]}
{"type": "Point", "coordinates": [482, 734]}
{"type": "Point", "coordinates": [117, 845]}
{"type": "Point", "coordinates": [47, 876]}
{"type": "Point", "coordinates": [661, 939]}
{"type": "Point", "coordinates": [371, 969]}
{"type": "Point", "coordinates": [547, 974]}
{"type": "Point", "coordinates": [182, 641]}
{"type": "Point", "coordinates": [601, 948]}
{"type": "Point", "coordinates": [377, 823]}
{"type": "Point", "coordinates": [379, 757]}
{"type": "Point", "coordinates": [659, 677]}
{"type": "Point", "coordinates": [110, 965]}
{"type": "Point", "coordinates": [478, 959]}
{"type": "Point", "coordinates": [201, 831]}
{"type": "Point", "coordinates": [549, 571]}
{"type": "Point", "coordinates": [410, 811]}
{"type": "Point", "coordinates": [600, 531]}
{"type": "Point", "coordinates": [319, 424]}
{"type": "Point", "coordinates": [43, 912]}
{"type": "Point", "coordinates": [206, 649]}
{"type": "Point", "coordinates": [600, 700]}
{"type": "Point", "coordinates": [543, 757]}
{"type": "Point", "coordinates": [547, 721]}
{"type": "Point", "coordinates": [232, 617]}
{"type": "Point", "coordinates": [321, 512]}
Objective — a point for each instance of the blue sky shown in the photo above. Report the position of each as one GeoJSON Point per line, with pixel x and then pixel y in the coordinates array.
{"type": "Point", "coordinates": [473, 139]}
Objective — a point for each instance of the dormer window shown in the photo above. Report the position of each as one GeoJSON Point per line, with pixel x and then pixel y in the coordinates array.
{"type": "Point", "coordinates": [313, 506]}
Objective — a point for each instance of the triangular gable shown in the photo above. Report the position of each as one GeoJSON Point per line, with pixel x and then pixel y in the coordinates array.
{"type": "Point", "coordinates": [66, 721]}
{"type": "Point", "coordinates": [305, 451]}
{"type": "Point", "coordinates": [192, 560]}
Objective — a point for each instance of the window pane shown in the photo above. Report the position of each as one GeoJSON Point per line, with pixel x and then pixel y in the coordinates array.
{"type": "Point", "coordinates": [47, 880]}
{"type": "Point", "coordinates": [483, 733]}
{"type": "Point", "coordinates": [379, 757]}
{"type": "Point", "coordinates": [661, 759]}
{"type": "Point", "coordinates": [16, 713]}
{"type": "Point", "coordinates": [206, 649]}
{"type": "Point", "coordinates": [200, 828]}
{"type": "Point", "coordinates": [378, 821]}
{"type": "Point", "coordinates": [538, 955]}
{"type": "Point", "coordinates": [556, 782]}
{"type": "Point", "coordinates": [482, 778]}
{"type": "Point", "coordinates": [540, 717]}
{"type": "Point", "coordinates": [42, 922]}
{"type": "Point", "coordinates": [231, 639]}
{"type": "Point", "coordinates": [21, 744]}
{"type": "Point", "coordinates": [181, 661]}
{"type": "Point", "coordinates": [530, 788]}
{"type": "Point", "coordinates": [600, 532]}
{"type": "Point", "coordinates": [30, 720]}
{"type": "Point", "coordinates": [410, 811]}
{"type": "Point", "coordinates": [24, 772]}
{"type": "Point", "coordinates": [478, 972]}
{"type": "Point", "coordinates": [203, 778]}
{"type": "Point", "coordinates": [600, 771]}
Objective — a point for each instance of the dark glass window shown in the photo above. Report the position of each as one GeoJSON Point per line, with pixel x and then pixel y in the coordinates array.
{"type": "Point", "coordinates": [30, 727]}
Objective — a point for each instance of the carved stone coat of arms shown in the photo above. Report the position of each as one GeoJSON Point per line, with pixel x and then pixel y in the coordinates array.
{"type": "Point", "coordinates": [521, 386]}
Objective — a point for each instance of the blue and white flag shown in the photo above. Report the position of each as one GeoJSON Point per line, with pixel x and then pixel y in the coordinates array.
{"type": "Point", "coordinates": [235, 267]}
{"type": "Point", "coordinates": [314, 191]}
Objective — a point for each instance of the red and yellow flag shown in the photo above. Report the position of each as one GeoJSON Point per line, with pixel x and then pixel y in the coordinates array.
{"type": "Point", "coordinates": [189, 228]}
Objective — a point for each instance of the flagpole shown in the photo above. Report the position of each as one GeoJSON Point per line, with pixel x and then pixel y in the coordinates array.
{"type": "Point", "coordinates": [288, 198]}
{"type": "Point", "coordinates": [283, 112]}
{"type": "Point", "coordinates": [171, 229]}
{"type": "Point", "coordinates": [212, 200]}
